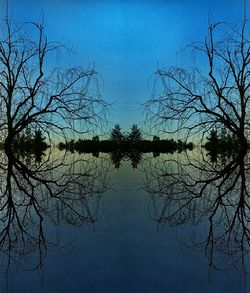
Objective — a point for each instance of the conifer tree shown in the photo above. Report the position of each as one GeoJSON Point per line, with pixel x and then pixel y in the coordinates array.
{"type": "Point", "coordinates": [116, 134]}
{"type": "Point", "coordinates": [135, 134]}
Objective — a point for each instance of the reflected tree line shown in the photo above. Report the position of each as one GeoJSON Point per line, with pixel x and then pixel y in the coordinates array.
{"type": "Point", "coordinates": [126, 146]}
{"type": "Point", "coordinates": [39, 188]}
{"type": "Point", "coordinates": [206, 192]}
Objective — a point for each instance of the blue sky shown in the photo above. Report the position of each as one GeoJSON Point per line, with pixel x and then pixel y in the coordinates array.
{"type": "Point", "coordinates": [126, 40]}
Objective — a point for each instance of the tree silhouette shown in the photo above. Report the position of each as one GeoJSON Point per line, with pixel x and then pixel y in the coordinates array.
{"type": "Point", "coordinates": [221, 142]}
{"type": "Point", "coordinates": [212, 139]}
{"type": "Point", "coordinates": [29, 142]}
{"type": "Point", "coordinates": [135, 158]}
{"type": "Point", "coordinates": [61, 190]}
{"type": "Point", "coordinates": [116, 134]}
{"type": "Point", "coordinates": [196, 100]}
{"type": "Point", "coordinates": [96, 138]}
{"type": "Point", "coordinates": [156, 138]}
{"type": "Point", "coordinates": [38, 139]}
{"type": "Point", "coordinates": [135, 134]}
{"type": "Point", "coordinates": [116, 157]}
{"type": "Point", "coordinates": [211, 198]}
{"type": "Point", "coordinates": [56, 101]}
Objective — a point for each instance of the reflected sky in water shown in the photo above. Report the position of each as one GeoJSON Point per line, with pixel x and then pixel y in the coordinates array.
{"type": "Point", "coordinates": [125, 249]}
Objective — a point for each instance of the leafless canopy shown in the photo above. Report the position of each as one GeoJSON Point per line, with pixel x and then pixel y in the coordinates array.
{"type": "Point", "coordinates": [192, 100]}
{"type": "Point", "coordinates": [35, 93]}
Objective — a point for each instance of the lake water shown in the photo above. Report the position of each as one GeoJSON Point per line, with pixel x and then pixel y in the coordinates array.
{"type": "Point", "coordinates": [90, 227]}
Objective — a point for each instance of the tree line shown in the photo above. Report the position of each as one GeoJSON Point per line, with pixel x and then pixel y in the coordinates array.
{"type": "Point", "coordinates": [125, 143]}
{"type": "Point", "coordinates": [61, 101]}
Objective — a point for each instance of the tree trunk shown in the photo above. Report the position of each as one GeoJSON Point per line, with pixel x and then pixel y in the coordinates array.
{"type": "Point", "coordinates": [8, 143]}
{"type": "Point", "coordinates": [243, 144]}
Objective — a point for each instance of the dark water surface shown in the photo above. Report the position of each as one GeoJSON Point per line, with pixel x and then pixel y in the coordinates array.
{"type": "Point", "coordinates": [125, 249]}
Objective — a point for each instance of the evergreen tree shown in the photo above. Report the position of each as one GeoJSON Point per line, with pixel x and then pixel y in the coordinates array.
{"type": "Point", "coordinates": [95, 138]}
{"type": "Point", "coordinates": [28, 135]}
{"type": "Point", "coordinates": [135, 134]}
{"type": "Point", "coordinates": [156, 138]}
{"type": "Point", "coordinates": [135, 158]}
{"type": "Point", "coordinates": [212, 139]}
{"type": "Point", "coordinates": [116, 134]}
{"type": "Point", "coordinates": [116, 158]}
{"type": "Point", "coordinates": [39, 141]}
{"type": "Point", "coordinates": [224, 137]}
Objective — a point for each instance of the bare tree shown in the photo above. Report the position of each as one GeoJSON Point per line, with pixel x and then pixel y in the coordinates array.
{"type": "Point", "coordinates": [34, 94]}
{"type": "Point", "coordinates": [191, 101]}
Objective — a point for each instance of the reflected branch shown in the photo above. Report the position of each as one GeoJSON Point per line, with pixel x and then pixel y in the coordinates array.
{"type": "Point", "coordinates": [60, 190]}
{"type": "Point", "coordinates": [210, 199]}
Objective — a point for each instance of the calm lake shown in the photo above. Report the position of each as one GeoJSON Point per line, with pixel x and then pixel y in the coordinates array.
{"type": "Point", "coordinates": [167, 223]}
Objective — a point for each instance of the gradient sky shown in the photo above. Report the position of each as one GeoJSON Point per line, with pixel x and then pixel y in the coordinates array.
{"type": "Point", "coordinates": [126, 40]}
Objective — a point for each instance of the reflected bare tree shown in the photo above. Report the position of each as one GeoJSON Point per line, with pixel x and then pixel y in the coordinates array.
{"type": "Point", "coordinates": [210, 199]}
{"type": "Point", "coordinates": [37, 196]}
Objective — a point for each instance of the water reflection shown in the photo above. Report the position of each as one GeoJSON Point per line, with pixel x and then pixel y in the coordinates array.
{"type": "Point", "coordinates": [209, 198]}
{"type": "Point", "coordinates": [39, 194]}
{"type": "Point", "coordinates": [119, 155]}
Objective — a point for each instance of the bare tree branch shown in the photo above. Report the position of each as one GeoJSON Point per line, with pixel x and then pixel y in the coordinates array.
{"type": "Point", "coordinates": [191, 101]}
{"type": "Point", "coordinates": [59, 100]}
